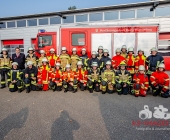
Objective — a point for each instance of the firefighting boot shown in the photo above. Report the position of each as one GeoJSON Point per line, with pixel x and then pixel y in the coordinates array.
{"type": "Point", "coordinates": [75, 90]}
{"type": "Point", "coordinates": [3, 86]}
{"type": "Point", "coordinates": [65, 90]}
{"type": "Point", "coordinates": [27, 90]}
{"type": "Point", "coordinates": [103, 92]}
{"type": "Point", "coordinates": [54, 88]}
{"type": "Point", "coordinates": [91, 90]}
{"type": "Point", "coordinates": [59, 88]}
{"type": "Point", "coordinates": [19, 90]}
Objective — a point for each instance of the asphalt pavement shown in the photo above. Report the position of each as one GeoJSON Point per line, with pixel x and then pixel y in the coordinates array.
{"type": "Point", "coordinates": [56, 115]}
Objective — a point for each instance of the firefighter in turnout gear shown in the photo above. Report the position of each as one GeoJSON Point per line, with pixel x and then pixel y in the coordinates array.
{"type": "Point", "coordinates": [153, 61]}
{"type": "Point", "coordinates": [81, 76]}
{"type": "Point", "coordinates": [104, 59]}
{"type": "Point", "coordinates": [43, 75]}
{"type": "Point", "coordinates": [116, 60]}
{"type": "Point", "coordinates": [160, 82]}
{"type": "Point", "coordinates": [64, 58]}
{"type": "Point", "coordinates": [5, 66]}
{"type": "Point", "coordinates": [74, 59]}
{"type": "Point", "coordinates": [130, 61]}
{"type": "Point", "coordinates": [93, 76]}
{"type": "Point", "coordinates": [108, 79]}
{"type": "Point", "coordinates": [141, 82]}
{"type": "Point", "coordinates": [124, 51]}
{"type": "Point", "coordinates": [52, 58]}
{"type": "Point", "coordinates": [15, 77]}
{"type": "Point", "coordinates": [31, 56]}
{"type": "Point", "coordinates": [93, 59]}
{"type": "Point", "coordinates": [43, 55]}
{"type": "Point", "coordinates": [69, 80]}
{"type": "Point", "coordinates": [140, 59]}
{"type": "Point", "coordinates": [123, 79]}
{"type": "Point", "coordinates": [84, 58]}
{"type": "Point", "coordinates": [30, 77]}
{"type": "Point", "coordinates": [100, 52]}
{"type": "Point", "coordinates": [56, 78]}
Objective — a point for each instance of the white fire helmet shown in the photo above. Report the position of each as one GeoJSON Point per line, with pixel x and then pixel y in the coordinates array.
{"type": "Point", "coordinates": [141, 67]}
{"type": "Point", "coordinates": [30, 49]}
{"type": "Point", "coordinates": [140, 49]}
{"type": "Point", "coordinates": [118, 50]}
{"type": "Point", "coordinates": [42, 51]}
{"type": "Point", "coordinates": [94, 53]}
{"type": "Point", "coordinates": [100, 48]}
{"type": "Point", "coordinates": [74, 50]}
{"type": "Point", "coordinates": [14, 63]}
{"type": "Point", "coordinates": [154, 49]}
{"type": "Point", "coordinates": [94, 64]}
{"type": "Point", "coordinates": [130, 49]}
{"type": "Point", "coordinates": [68, 66]}
{"type": "Point", "coordinates": [83, 49]}
{"type": "Point", "coordinates": [4, 49]}
{"type": "Point", "coordinates": [124, 47]}
{"type": "Point", "coordinates": [63, 49]}
{"type": "Point", "coordinates": [29, 63]}
{"type": "Point", "coordinates": [58, 64]}
{"type": "Point", "coordinates": [108, 63]}
{"type": "Point", "coordinates": [79, 63]}
{"type": "Point", "coordinates": [105, 51]}
{"type": "Point", "coordinates": [161, 65]}
{"type": "Point", "coordinates": [44, 60]}
{"type": "Point", "coordinates": [52, 50]}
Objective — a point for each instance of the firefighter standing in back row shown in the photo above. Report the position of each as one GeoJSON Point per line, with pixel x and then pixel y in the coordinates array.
{"type": "Point", "coordinates": [15, 77]}
{"type": "Point", "coordinates": [5, 66]}
{"type": "Point", "coordinates": [84, 58]}
{"type": "Point", "coordinates": [160, 82]}
{"type": "Point", "coordinates": [123, 79]}
{"type": "Point", "coordinates": [108, 79]}
{"type": "Point", "coordinates": [42, 56]}
{"type": "Point", "coordinates": [124, 51]}
{"type": "Point", "coordinates": [93, 59]}
{"type": "Point", "coordinates": [104, 59]}
{"type": "Point", "coordinates": [31, 56]}
{"type": "Point", "coordinates": [93, 76]}
{"type": "Point", "coordinates": [100, 52]}
{"type": "Point", "coordinates": [52, 58]}
{"type": "Point", "coordinates": [141, 82]}
{"type": "Point", "coordinates": [81, 76]}
{"type": "Point", "coordinates": [64, 58]}
{"type": "Point", "coordinates": [74, 59]}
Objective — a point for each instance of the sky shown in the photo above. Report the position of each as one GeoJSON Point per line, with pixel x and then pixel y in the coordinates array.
{"type": "Point", "coordinates": [26, 7]}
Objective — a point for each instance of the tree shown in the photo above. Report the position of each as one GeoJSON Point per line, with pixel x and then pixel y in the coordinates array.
{"type": "Point", "coordinates": [72, 8]}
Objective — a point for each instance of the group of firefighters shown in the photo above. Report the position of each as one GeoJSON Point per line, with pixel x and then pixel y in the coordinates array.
{"type": "Point", "coordinates": [124, 73]}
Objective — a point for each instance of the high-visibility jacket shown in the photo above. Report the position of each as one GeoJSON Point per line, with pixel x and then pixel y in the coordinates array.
{"type": "Point", "coordinates": [64, 60]}
{"type": "Point", "coordinates": [130, 61]}
{"type": "Point", "coordinates": [69, 76]}
{"type": "Point", "coordinates": [124, 54]}
{"type": "Point", "coordinates": [116, 60]}
{"type": "Point", "coordinates": [90, 61]}
{"type": "Point", "coordinates": [103, 61]}
{"type": "Point", "coordinates": [108, 75]}
{"type": "Point", "coordinates": [84, 59]}
{"type": "Point", "coordinates": [81, 75]}
{"type": "Point", "coordinates": [73, 61]}
{"type": "Point", "coordinates": [160, 78]}
{"type": "Point", "coordinates": [140, 60]}
{"type": "Point", "coordinates": [40, 60]}
{"type": "Point", "coordinates": [123, 76]}
{"type": "Point", "coordinates": [5, 62]}
{"type": "Point", "coordinates": [33, 58]}
{"type": "Point", "coordinates": [99, 55]}
{"type": "Point", "coordinates": [52, 58]}
{"type": "Point", "coordinates": [94, 75]}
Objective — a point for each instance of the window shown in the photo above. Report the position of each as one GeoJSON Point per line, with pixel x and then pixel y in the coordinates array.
{"type": "Point", "coordinates": [45, 41]}
{"type": "Point", "coordinates": [11, 24]}
{"type": "Point", "coordinates": [81, 18]}
{"type": "Point", "coordinates": [11, 48]}
{"type": "Point", "coordinates": [127, 14]}
{"type": "Point", "coordinates": [96, 17]}
{"type": "Point", "coordinates": [162, 11]}
{"type": "Point", "coordinates": [142, 13]}
{"type": "Point", "coordinates": [69, 19]}
{"type": "Point", "coordinates": [78, 39]}
{"type": "Point", "coordinates": [32, 22]}
{"type": "Point", "coordinates": [2, 25]}
{"type": "Point", "coordinates": [43, 21]}
{"type": "Point", "coordinates": [110, 15]}
{"type": "Point", "coordinates": [55, 20]}
{"type": "Point", "coordinates": [21, 23]}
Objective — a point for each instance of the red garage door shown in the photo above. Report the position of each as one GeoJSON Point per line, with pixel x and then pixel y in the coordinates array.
{"type": "Point", "coordinates": [12, 44]}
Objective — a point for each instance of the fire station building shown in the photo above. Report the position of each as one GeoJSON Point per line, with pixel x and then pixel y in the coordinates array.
{"type": "Point", "coordinates": [21, 31]}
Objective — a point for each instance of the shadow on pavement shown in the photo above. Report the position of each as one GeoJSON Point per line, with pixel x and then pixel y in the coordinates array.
{"type": "Point", "coordinates": [62, 128]}
{"type": "Point", "coordinates": [15, 120]}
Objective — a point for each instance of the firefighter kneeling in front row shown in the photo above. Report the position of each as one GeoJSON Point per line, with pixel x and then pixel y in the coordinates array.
{"type": "Point", "coordinates": [56, 78]}
{"type": "Point", "coordinates": [123, 79]}
{"type": "Point", "coordinates": [160, 82]}
{"type": "Point", "coordinates": [69, 80]}
{"type": "Point", "coordinates": [141, 82]}
{"type": "Point", "coordinates": [94, 78]}
{"type": "Point", "coordinates": [108, 79]}
{"type": "Point", "coordinates": [15, 77]}
{"type": "Point", "coordinates": [30, 77]}
{"type": "Point", "coordinates": [81, 76]}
